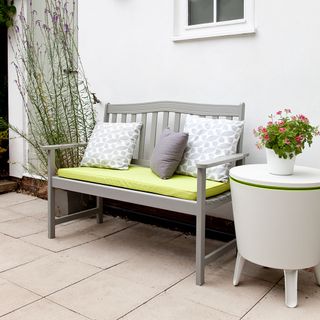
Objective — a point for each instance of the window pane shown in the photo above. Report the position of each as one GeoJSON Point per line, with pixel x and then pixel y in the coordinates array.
{"type": "Point", "coordinates": [230, 10]}
{"type": "Point", "coordinates": [200, 11]}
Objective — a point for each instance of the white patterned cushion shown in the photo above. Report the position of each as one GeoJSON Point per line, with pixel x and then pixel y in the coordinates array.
{"type": "Point", "coordinates": [209, 139]}
{"type": "Point", "coordinates": [111, 145]}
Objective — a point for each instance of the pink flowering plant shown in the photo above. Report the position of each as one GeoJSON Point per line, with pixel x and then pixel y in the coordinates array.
{"type": "Point", "coordinates": [286, 134]}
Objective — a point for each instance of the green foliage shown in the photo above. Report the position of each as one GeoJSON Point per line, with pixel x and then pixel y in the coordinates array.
{"type": "Point", "coordinates": [51, 80]}
{"type": "Point", "coordinates": [4, 136]}
{"type": "Point", "coordinates": [287, 135]}
{"type": "Point", "coordinates": [7, 12]}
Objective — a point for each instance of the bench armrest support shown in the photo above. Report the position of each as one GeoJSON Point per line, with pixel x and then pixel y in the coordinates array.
{"type": "Point", "coordinates": [201, 175]}
{"type": "Point", "coordinates": [64, 146]}
{"type": "Point", "coordinates": [222, 160]}
{"type": "Point", "coordinates": [50, 149]}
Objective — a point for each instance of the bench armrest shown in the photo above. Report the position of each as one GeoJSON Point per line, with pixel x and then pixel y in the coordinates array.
{"type": "Point", "coordinates": [64, 146]}
{"type": "Point", "coordinates": [222, 160]}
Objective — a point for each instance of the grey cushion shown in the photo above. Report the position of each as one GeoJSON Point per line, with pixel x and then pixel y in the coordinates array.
{"type": "Point", "coordinates": [168, 153]}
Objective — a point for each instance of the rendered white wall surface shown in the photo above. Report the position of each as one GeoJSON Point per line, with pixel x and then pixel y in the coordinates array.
{"type": "Point", "coordinates": [129, 56]}
{"type": "Point", "coordinates": [17, 146]}
{"type": "Point", "coordinates": [20, 153]}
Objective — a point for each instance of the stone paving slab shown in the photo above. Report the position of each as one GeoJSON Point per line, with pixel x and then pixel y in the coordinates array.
{"type": "Point", "coordinates": [127, 270]}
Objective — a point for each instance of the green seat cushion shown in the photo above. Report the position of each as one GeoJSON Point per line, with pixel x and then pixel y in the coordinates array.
{"type": "Point", "coordinates": [143, 179]}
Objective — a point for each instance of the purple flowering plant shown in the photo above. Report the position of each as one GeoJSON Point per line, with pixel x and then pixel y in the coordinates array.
{"type": "Point", "coordinates": [51, 80]}
{"type": "Point", "coordinates": [286, 134]}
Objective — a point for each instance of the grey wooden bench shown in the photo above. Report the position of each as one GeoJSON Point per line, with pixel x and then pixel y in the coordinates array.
{"type": "Point", "coordinates": [152, 115]}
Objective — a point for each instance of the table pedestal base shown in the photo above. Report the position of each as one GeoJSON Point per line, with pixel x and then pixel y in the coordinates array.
{"type": "Point", "coordinates": [290, 281]}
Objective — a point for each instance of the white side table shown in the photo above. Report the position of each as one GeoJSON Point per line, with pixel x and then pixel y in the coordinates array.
{"type": "Point", "coordinates": [277, 221]}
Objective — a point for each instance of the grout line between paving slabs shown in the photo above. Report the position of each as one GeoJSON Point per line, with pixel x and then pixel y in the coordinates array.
{"type": "Point", "coordinates": [22, 217]}
{"type": "Point", "coordinates": [18, 308]}
{"type": "Point", "coordinates": [7, 235]}
{"type": "Point", "coordinates": [77, 245]}
{"type": "Point", "coordinates": [156, 295]}
{"type": "Point", "coordinates": [31, 234]}
{"type": "Point", "coordinates": [47, 297]}
{"type": "Point", "coordinates": [20, 286]}
{"type": "Point", "coordinates": [99, 238]}
{"type": "Point", "coordinates": [15, 204]}
{"type": "Point", "coordinates": [43, 298]}
{"type": "Point", "coordinates": [18, 238]}
{"type": "Point", "coordinates": [60, 305]}
{"type": "Point", "coordinates": [261, 298]}
{"type": "Point", "coordinates": [63, 250]}
{"type": "Point", "coordinates": [22, 264]}
{"type": "Point", "coordinates": [53, 252]}
{"type": "Point", "coordinates": [80, 244]}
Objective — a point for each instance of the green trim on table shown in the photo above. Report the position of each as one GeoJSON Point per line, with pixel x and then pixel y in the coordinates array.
{"type": "Point", "coordinates": [273, 187]}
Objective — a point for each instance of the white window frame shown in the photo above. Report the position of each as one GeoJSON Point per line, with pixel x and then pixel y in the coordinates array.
{"type": "Point", "coordinates": [184, 31]}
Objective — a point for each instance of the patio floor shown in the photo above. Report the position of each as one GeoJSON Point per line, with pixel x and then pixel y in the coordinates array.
{"type": "Point", "coordinates": [127, 270]}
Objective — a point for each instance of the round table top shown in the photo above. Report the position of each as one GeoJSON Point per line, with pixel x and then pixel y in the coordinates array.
{"type": "Point", "coordinates": [257, 174]}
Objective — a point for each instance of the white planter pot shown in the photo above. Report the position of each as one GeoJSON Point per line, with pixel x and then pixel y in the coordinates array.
{"type": "Point", "coordinates": [279, 166]}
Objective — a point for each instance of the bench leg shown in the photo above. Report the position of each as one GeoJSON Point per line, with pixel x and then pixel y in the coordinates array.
{"type": "Point", "coordinates": [100, 210]}
{"type": "Point", "coordinates": [51, 213]}
{"type": "Point", "coordinates": [51, 195]}
{"type": "Point", "coordinates": [200, 248]}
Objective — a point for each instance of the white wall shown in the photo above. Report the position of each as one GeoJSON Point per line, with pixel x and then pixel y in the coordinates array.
{"type": "Point", "coordinates": [17, 117]}
{"type": "Point", "coordinates": [129, 56]}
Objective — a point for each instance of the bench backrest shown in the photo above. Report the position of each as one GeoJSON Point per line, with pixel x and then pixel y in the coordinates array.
{"type": "Point", "coordinates": [156, 116]}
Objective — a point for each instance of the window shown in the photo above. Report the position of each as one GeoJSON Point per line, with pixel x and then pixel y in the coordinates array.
{"type": "Point", "coordinates": [200, 11]}
{"type": "Point", "coordinates": [211, 18]}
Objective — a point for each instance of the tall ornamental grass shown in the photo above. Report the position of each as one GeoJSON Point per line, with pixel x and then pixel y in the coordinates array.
{"type": "Point", "coordinates": [52, 83]}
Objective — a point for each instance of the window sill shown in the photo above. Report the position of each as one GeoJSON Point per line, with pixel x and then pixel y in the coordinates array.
{"type": "Point", "coordinates": [214, 34]}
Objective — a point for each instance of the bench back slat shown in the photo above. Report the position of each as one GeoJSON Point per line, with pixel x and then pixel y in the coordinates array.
{"type": "Point", "coordinates": [153, 113]}
{"type": "Point", "coordinates": [142, 136]}
{"type": "Point", "coordinates": [176, 125]}
{"type": "Point", "coordinates": [153, 133]}
{"type": "Point", "coordinates": [113, 117]}
{"type": "Point", "coordinates": [165, 120]}
{"type": "Point", "coordinates": [123, 117]}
